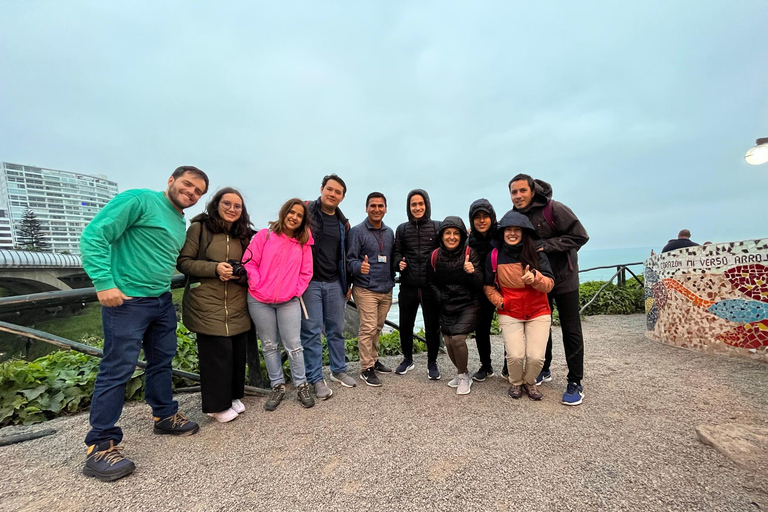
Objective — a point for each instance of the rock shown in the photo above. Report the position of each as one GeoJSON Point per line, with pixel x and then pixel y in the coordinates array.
{"type": "Point", "coordinates": [746, 445]}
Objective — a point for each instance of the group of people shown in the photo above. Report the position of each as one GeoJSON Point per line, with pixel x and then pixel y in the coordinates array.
{"type": "Point", "coordinates": [291, 282]}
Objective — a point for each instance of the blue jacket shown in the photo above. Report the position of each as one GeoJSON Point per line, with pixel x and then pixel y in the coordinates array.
{"type": "Point", "coordinates": [365, 240]}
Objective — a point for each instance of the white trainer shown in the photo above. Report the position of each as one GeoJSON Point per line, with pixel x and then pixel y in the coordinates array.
{"type": "Point", "coordinates": [465, 384]}
{"type": "Point", "coordinates": [238, 406]}
{"type": "Point", "coordinates": [454, 382]}
{"type": "Point", "coordinates": [223, 416]}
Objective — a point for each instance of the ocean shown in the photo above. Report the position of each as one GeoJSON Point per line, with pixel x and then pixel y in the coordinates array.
{"type": "Point", "coordinates": [588, 258]}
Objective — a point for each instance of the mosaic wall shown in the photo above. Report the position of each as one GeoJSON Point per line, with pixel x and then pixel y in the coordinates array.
{"type": "Point", "coordinates": [712, 298]}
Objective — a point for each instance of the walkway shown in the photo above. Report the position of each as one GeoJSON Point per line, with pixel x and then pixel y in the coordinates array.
{"type": "Point", "coordinates": [414, 445]}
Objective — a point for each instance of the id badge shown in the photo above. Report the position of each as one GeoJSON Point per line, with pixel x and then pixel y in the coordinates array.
{"type": "Point", "coordinates": [382, 258]}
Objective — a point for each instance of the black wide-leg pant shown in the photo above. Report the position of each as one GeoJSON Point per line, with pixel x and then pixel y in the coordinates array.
{"type": "Point", "coordinates": [222, 370]}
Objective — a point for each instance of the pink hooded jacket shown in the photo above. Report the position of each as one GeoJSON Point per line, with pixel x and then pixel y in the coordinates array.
{"type": "Point", "coordinates": [280, 268]}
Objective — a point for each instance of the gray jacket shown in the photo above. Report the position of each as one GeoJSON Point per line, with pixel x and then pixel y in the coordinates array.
{"type": "Point", "coordinates": [363, 241]}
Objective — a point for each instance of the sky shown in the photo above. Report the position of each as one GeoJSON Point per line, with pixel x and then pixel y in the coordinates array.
{"type": "Point", "coordinates": [637, 113]}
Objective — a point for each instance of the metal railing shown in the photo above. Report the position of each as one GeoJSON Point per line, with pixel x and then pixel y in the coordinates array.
{"type": "Point", "coordinates": [621, 271]}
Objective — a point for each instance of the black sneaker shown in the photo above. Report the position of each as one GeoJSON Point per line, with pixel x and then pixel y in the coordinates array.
{"type": "Point", "coordinates": [176, 425]}
{"type": "Point", "coordinates": [105, 462]}
{"type": "Point", "coordinates": [404, 367]}
{"type": "Point", "coordinates": [379, 367]}
{"type": "Point", "coordinates": [304, 396]}
{"type": "Point", "coordinates": [482, 374]}
{"type": "Point", "coordinates": [432, 371]}
{"type": "Point", "coordinates": [370, 377]}
{"type": "Point", "coordinates": [275, 397]}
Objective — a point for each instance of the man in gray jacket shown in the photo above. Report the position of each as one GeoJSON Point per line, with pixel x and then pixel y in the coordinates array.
{"type": "Point", "coordinates": [369, 260]}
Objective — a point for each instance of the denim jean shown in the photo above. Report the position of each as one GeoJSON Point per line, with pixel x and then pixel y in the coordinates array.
{"type": "Point", "coordinates": [277, 323]}
{"type": "Point", "coordinates": [140, 322]}
{"type": "Point", "coordinates": [325, 304]}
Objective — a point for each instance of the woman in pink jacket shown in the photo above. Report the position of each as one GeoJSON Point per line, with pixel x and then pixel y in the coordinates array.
{"type": "Point", "coordinates": [278, 273]}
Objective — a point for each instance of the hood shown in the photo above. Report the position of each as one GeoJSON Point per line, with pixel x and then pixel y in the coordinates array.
{"type": "Point", "coordinates": [542, 194]}
{"type": "Point", "coordinates": [482, 205]}
{"type": "Point", "coordinates": [513, 218]}
{"type": "Point", "coordinates": [427, 205]}
{"type": "Point", "coordinates": [453, 222]}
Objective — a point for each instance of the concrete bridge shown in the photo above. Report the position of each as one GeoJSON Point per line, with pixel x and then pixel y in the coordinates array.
{"type": "Point", "coordinates": [23, 272]}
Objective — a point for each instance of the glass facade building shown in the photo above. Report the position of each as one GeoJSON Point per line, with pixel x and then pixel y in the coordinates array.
{"type": "Point", "coordinates": [64, 202]}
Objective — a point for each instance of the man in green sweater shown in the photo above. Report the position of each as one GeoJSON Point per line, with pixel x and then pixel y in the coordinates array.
{"type": "Point", "coordinates": [129, 251]}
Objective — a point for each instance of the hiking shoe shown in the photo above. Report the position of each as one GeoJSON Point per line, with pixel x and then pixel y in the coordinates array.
{"type": "Point", "coordinates": [369, 377]}
{"type": "Point", "coordinates": [176, 425]}
{"type": "Point", "coordinates": [454, 382]}
{"type": "Point", "coordinates": [223, 416]}
{"type": "Point", "coordinates": [432, 372]}
{"type": "Point", "coordinates": [544, 376]}
{"type": "Point", "coordinates": [465, 384]}
{"type": "Point", "coordinates": [515, 391]}
{"type": "Point", "coordinates": [238, 406]}
{"type": "Point", "coordinates": [482, 374]}
{"type": "Point", "coordinates": [381, 367]}
{"type": "Point", "coordinates": [574, 394]}
{"type": "Point", "coordinates": [105, 462]}
{"type": "Point", "coordinates": [533, 391]}
{"type": "Point", "coordinates": [322, 391]}
{"type": "Point", "coordinates": [275, 397]}
{"type": "Point", "coordinates": [505, 370]}
{"type": "Point", "coordinates": [304, 396]}
{"type": "Point", "coordinates": [404, 367]}
{"type": "Point", "coordinates": [343, 379]}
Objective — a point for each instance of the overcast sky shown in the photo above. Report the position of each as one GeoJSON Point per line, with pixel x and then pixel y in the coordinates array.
{"type": "Point", "coordinates": [637, 113]}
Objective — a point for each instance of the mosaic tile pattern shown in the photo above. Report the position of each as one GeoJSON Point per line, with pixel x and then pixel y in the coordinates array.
{"type": "Point", "coordinates": [712, 298]}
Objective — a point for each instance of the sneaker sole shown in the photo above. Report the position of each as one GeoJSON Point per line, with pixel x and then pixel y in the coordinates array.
{"type": "Point", "coordinates": [103, 477]}
{"type": "Point", "coordinates": [370, 383]}
{"type": "Point", "coordinates": [467, 392]}
{"type": "Point", "coordinates": [433, 378]}
{"type": "Point", "coordinates": [581, 399]}
{"type": "Point", "coordinates": [452, 385]}
{"type": "Point", "coordinates": [547, 379]}
{"type": "Point", "coordinates": [408, 368]}
{"type": "Point", "coordinates": [334, 379]}
{"type": "Point", "coordinates": [306, 406]}
{"type": "Point", "coordinates": [159, 431]}
{"type": "Point", "coordinates": [329, 395]}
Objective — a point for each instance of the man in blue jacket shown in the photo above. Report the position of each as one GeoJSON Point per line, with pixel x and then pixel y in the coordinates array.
{"type": "Point", "coordinates": [369, 258]}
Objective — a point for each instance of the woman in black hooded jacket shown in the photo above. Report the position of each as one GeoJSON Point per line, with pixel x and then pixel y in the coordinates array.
{"type": "Point", "coordinates": [456, 279]}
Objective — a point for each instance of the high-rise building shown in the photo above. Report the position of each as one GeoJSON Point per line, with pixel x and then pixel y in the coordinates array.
{"type": "Point", "coordinates": [64, 202]}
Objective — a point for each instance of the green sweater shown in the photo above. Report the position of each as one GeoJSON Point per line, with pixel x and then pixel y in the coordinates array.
{"type": "Point", "coordinates": [133, 242]}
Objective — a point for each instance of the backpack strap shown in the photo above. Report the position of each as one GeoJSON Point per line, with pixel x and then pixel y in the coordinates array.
{"type": "Point", "coordinates": [433, 259]}
{"type": "Point", "coordinates": [494, 259]}
{"type": "Point", "coordinates": [549, 214]}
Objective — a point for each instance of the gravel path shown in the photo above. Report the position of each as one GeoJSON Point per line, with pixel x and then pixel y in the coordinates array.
{"type": "Point", "coordinates": [414, 444]}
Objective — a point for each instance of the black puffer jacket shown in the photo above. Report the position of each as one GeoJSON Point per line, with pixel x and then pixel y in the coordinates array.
{"type": "Point", "coordinates": [483, 243]}
{"type": "Point", "coordinates": [457, 292]}
{"type": "Point", "coordinates": [415, 240]}
{"type": "Point", "coordinates": [561, 243]}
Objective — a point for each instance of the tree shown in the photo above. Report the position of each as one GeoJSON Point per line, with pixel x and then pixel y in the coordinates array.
{"type": "Point", "coordinates": [30, 236]}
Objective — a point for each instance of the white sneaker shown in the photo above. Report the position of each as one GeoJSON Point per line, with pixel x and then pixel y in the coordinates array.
{"type": "Point", "coordinates": [454, 382]}
{"type": "Point", "coordinates": [223, 416]}
{"type": "Point", "coordinates": [238, 406]}
{"type": "Point", "coordinates": [465, 384]}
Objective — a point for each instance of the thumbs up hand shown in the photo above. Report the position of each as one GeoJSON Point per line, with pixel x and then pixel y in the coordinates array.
{"type": "Point", "coordinates": [469, 268]}
{"type": "Point", "coordinates": [528, 276]}
{"type": "Point", "coordinates": [365, 268]}
{"type": "Point", "coordinates": [403, 264]}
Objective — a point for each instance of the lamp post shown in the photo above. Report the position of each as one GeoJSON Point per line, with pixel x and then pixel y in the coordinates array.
{"type": "Point", "coordinates": [759, 153]}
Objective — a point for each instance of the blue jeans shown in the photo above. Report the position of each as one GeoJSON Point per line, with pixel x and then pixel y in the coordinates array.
{"type": "Point", "coordinates": [140, 322]}
{"type": "Point", "coordinates": [276, 323]}
{"type": "Point", "coordinates": [325, 304]}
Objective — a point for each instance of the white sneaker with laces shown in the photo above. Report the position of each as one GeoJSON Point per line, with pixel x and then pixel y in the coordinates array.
{"type": "Point", "coordinates": [465, 384]}
{"type": "Point", "coordinates": [223, 416]}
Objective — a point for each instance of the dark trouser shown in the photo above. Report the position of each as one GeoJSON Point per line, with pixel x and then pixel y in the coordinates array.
{"type": "Point", "coordinates": [483, 332]}
{"type": "Point", "coordinates": [222, 370]}
{"type": "Point", "coordinates": [573, 341]}
{"type": "Point", "coordinates": [140, 322]}
{"type": "Point", "coordinates": [408, 300]}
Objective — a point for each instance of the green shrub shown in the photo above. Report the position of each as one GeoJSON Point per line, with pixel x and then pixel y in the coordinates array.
{"type": "Point", "coordinates": [613, 300]}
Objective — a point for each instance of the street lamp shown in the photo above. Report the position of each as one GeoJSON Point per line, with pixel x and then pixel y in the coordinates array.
{"type": "Point", "coordinates": [758, 154]}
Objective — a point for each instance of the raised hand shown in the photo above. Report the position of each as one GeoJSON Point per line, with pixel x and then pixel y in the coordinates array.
{"type": "Point", "coordinates": [528, 276]}
{"type": "Point", "coordinates": [469, 268]}
{"type": "Point", "coordinates": [365, 268]}
{"type": "Point", "coordinates": [403, 264]}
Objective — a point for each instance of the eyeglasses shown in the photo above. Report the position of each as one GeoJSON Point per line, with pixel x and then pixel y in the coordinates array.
{"type": "Point", "coordinates": [229, 206]}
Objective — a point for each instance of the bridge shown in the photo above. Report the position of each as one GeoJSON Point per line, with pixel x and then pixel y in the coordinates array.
{"type": "Point", "coordinates": [23, 272]}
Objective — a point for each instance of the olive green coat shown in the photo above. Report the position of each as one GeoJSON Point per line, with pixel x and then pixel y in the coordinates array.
{"type": "Point", "coordinates": [212, 306]}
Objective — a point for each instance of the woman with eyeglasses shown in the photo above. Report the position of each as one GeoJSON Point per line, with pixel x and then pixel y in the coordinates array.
{"type": "Point", "coordinates": [214, 304]}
